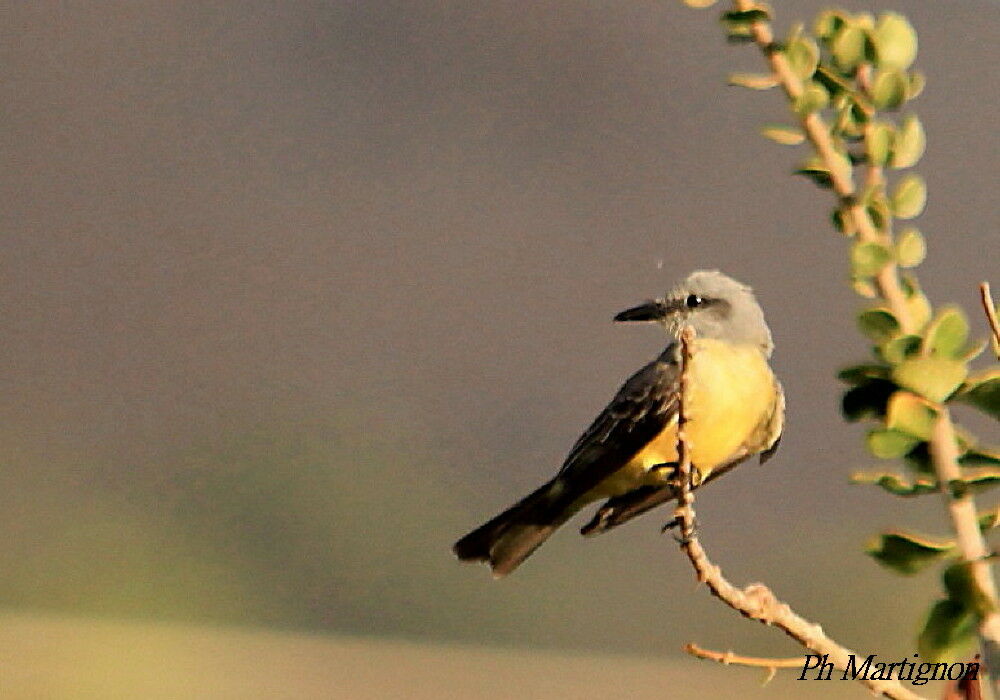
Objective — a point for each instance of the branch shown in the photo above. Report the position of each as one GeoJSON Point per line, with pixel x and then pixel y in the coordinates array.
{"type": "Point", "coordinates": [756, 601]}
{"type": "Point", "coordinates": [942, 444]}
{"type": "Point", "coordinates": [991, 315]}
{"type": "Point", "coordinates": [962, 509]}
{"type": "Point", "coordinates": [728, 658]}
{"type": "Point", "coordinates": [818, 133]}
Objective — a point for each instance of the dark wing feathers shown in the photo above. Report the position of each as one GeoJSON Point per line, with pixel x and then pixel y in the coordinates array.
{"type": "Point", "coordinates": [640, 410]}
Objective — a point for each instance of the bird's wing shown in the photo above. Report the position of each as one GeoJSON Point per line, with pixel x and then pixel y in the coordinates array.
{"type": "Point", "coordinates": [775, 426]}
{"type": "Point", "coordinates": [641, 409]}
{"type": "Point", "coordinates": [623, 508]}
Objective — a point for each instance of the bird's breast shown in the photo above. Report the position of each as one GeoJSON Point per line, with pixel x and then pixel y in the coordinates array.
{"type": "Point", "coordinates": [730, 393]}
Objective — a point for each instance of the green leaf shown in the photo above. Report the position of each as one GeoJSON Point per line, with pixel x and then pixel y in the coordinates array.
{"type": "Point", "coordinates": [976, 480]}
{"type": "Point", "coordinates": [962, 588]}
{"type": "Point", "coordinates": [859, 374]}
{"type": "Point", "coordinates": [848, 47]}
{"type": "Point", "coordinates": [895, 41]}
{"type": "Point", "coordinates": [989, 520]}
{"type": "Point", "coordinates": [918, 306]}
{"type": "Point", "coordinates": [739, 34]}
{"type": "Point", "coordinates": [867, 400]}
{"type": "Point", "coordinates": [815, 169]}
{"type": "Point", "coordinates": [868, 258]}
{"type": "Point", "coordinates": [890, 444]}
{"type": "Point", "coordinates": [980, 456]}
{"type": "Point", "coordinates": [745, 16]}
{"type": "Point", "coordinates": [908, 144]}
{"type": "Point", "coordinates": [785, 135]}
{"type": "Point", "coordinates": [896, 485]}
{"type": "Point", "coordinates": [947, 334]}
{"type": "Point", "coordinates": [906, 553]}
{"type": "Point", "coordinates": [982, 390]}
{"type": "Point", "coordinates": [934, 378]}
{"type": "Point", "coordinates": [899, 348]}
{"type": "Point", "coordinates": [803, 56]}
{"type": "Point", "coordinates": [909, 197]}
{"type": "Point", "coordinates": [814, 97]}
{"type": "Point", "coordinates": [878, 324]}
{"type": "Point", "coordinates": [754, 81]}
{"type": "Point", "coordinates": [850, 121]}
{"type": "Point", "coordinates": [911, 414]}
{"type": "Point", "coordinates": [828, 23]}
{"type": "Point", "coordinates": [878, 142]}
{"type": "Point", "coordinates": [949, 628]}
{"type": "Point", "coordinates": [910, 248]}
{"type": "Point", "coordinates": [915, 84]}
{"type": "Point", "coordinates": [889, 89]}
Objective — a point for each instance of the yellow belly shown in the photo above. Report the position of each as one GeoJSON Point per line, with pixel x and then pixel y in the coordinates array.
{"type": "Point", "coordinates": [731, 393]}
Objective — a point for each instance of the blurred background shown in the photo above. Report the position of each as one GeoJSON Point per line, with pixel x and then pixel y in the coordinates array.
{"type": "Point", "coordinates": [294, 294]}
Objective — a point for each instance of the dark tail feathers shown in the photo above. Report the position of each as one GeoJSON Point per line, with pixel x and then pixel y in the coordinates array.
{"type": "Point", "coordinates": [510, 538]}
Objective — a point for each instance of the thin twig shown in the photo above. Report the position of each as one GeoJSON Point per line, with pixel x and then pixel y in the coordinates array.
{"type": "Point", "coordinates": [991, 315]}
{"type": "Point", "coordinates": [756, 601]}
{"type": "Point", "coordinates": [727, 657]}
{"type": "Point", "coordinates": [841, 179]}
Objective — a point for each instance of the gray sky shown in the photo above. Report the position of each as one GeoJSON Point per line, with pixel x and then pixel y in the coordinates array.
{"type": "Point", "coordinates": [419, 217]}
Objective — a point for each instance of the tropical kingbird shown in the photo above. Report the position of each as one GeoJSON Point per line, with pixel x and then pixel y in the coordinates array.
{"type": "Point", "coordinates": [733, 403]}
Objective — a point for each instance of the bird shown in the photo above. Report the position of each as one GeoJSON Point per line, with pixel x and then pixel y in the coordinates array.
{"type": "Point", "coordinates": [734, 409]}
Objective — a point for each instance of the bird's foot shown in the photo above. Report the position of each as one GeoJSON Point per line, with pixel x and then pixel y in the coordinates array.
{"type": "Point", "coordinates": [669, 474]}
{"type": "Point", "coordinates": [681, 539]}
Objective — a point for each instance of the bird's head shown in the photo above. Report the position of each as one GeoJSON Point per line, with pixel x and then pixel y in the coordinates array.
{"type": "Point", "coordinates": [714, 305]}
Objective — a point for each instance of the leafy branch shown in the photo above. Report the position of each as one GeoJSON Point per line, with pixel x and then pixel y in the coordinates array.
{"type": "Point", "coordinates": [841, 82]}
{"type": "Point", "coordinates": [755, 601]}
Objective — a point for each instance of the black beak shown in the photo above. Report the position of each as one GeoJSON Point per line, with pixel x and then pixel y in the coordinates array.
{"type": "Point", "coordinates": [655, 310]}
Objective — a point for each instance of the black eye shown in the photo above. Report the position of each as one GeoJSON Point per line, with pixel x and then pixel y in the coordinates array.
{"type": "Point", "coordinates": [693, 301]}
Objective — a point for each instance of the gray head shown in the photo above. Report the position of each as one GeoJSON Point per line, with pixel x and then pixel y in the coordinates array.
{"type": "Point", "coordinates": [714, 305]}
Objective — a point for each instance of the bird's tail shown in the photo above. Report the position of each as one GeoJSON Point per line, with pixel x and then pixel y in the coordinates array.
{"type": "Point", "coordinates": [510, 538]}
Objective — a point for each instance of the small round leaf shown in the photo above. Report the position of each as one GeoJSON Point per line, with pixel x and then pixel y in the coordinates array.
{"type": "Point", "coordinates": [909, 197]}
{"type": "Point", "coordinates": [982, 390]}
{"type": "Point", "coordinates": [911, 414]}
{"type": "Point", "coordinates": [868, 258]}
{"type": "Point", "coordinates": [934, 378]}
{"type": "Point", "coordinates": [814, 97]}
{"type": "Point", "coordinates": [889, 89]}
{"type": "Point", "coordinates": [848, 47]}
{"type": "Point", "coordinates": [948, 334]}
{"type": "Point", "coordinates": [907, 553]}
{"type": "Point", "coordinates": [950, 627]}
{"type": "Point", "coordinates": [910, 248]}
{"type": "Point", "coordinates": [879, 138]}
{"type": "Point", "coordinates": [895, 41]}
{"type": "Point", "coordinates": [785, 135]}
{"type": "Point", "coordinates": [915, 84]}
{"type": "Point", "coordinates": [919, 308]}
{"type": "Point", "coordinates": [828, 23]}
{"type": "Point", "coordinates": [803, 56]}
{"type": "Point", "coordinates": [890, 444]}
{"type": "Point", "coordinates": [899, 348]}
{"type": "Point", "coordinates": [878, 324]}
{"type": "Point", "coordinates": [908, 144]}
{"type": "Point", "coordinates": [754, 81]}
